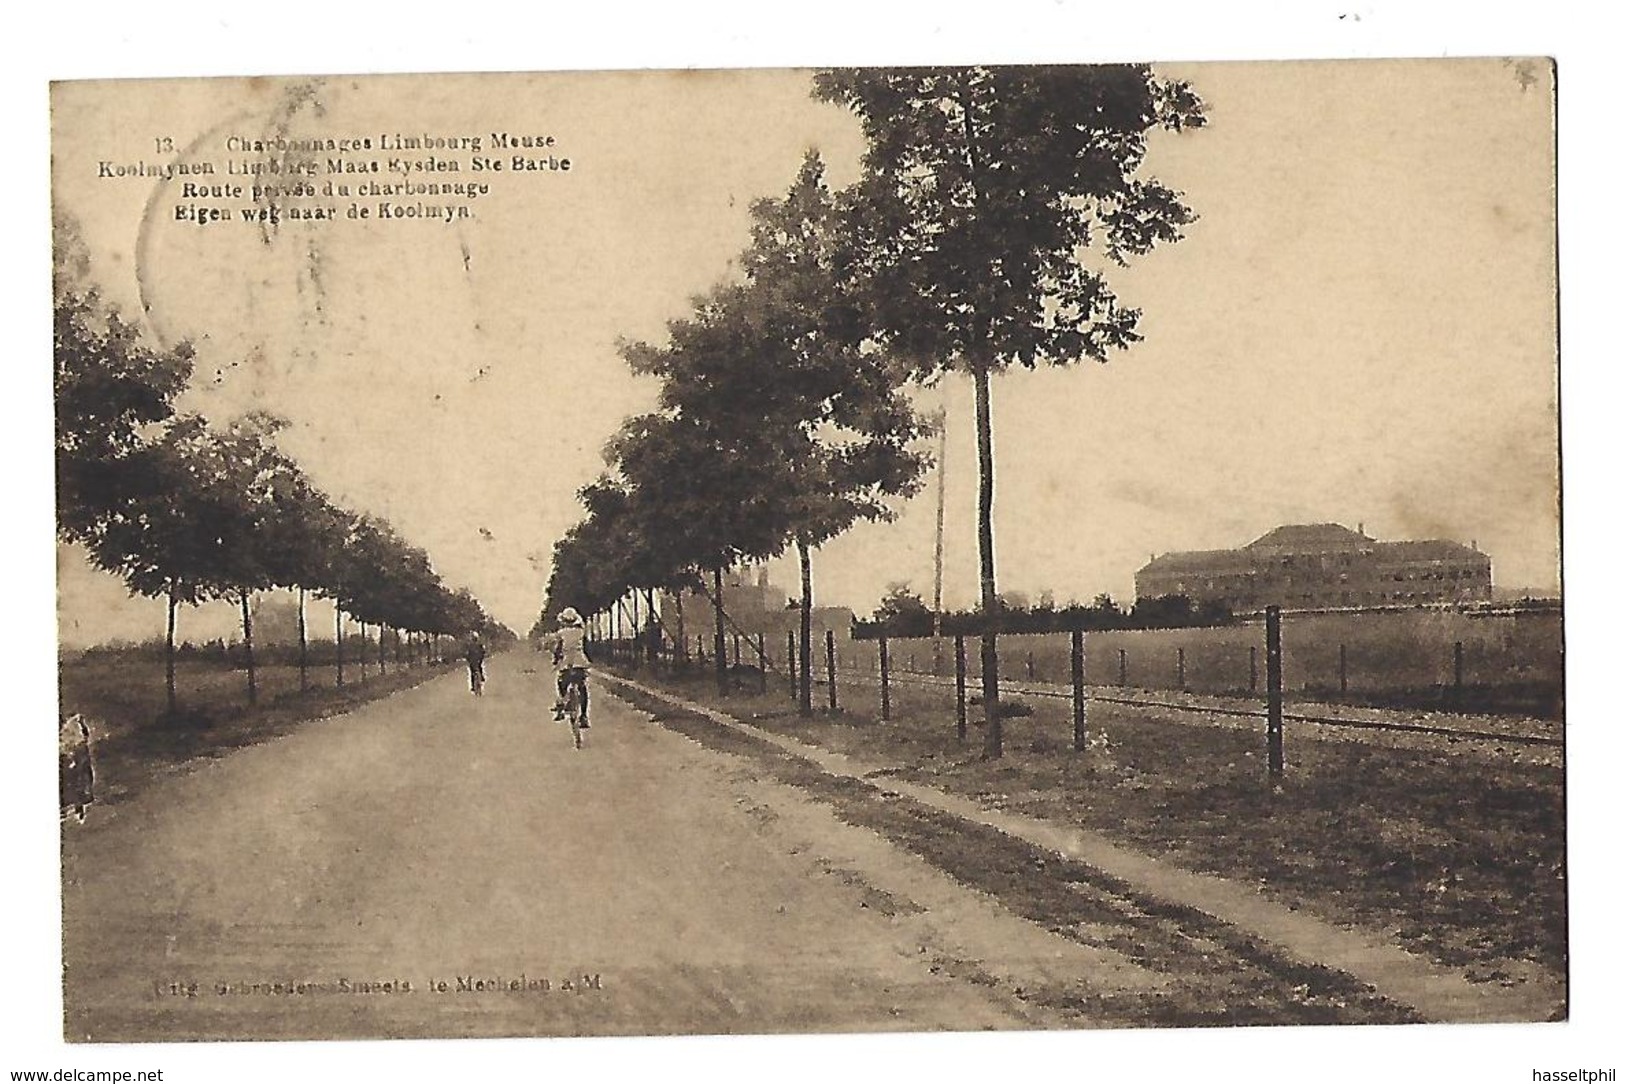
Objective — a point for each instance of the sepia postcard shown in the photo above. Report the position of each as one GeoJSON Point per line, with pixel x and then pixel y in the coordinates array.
{"type": "Point", "coordinates": [809, 551]}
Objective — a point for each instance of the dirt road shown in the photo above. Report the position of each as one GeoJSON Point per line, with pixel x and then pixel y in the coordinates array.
{"type": "Point", "coordinates": [436, 865]}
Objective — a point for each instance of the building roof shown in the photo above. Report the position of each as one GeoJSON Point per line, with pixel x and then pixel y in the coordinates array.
{"type": "Point", "coordinates": [1310, 538]}
{"type": "Point", "coordinates": [1200, 561]}
{"type": "Point", "coordinates": [1307, 538]}
{"type": "Point", "coordinates": [1433, 549]}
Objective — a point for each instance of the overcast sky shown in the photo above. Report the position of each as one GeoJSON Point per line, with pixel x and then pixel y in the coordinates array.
{"type": "Point", "coordinates": [1360, 327]}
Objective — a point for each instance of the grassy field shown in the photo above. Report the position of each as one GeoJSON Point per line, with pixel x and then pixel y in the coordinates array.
{"type": "Point", "coordinates": [121, 694]}
{"type": "Point", "coordinates": [1459, 857]}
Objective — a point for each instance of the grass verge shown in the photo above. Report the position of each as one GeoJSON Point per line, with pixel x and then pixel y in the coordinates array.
{"type": "Point", "coordinates": [1460, 859]}
{"type": "Point", "coordinates": [135, 739]}
{"type": "Point", "coordinates": [1218, 976]}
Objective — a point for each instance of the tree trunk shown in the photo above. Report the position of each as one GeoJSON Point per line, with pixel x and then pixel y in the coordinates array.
{"type": "Point", "coordinates": [361, 653]}
{"type": "Point", "coordinates": [169, 654]}
{"type": "Point", "coordinates": [993, 745]}
{"type": "Point", "coordinates": [248, 647]}
{"type": "Point", "coordinates": [804, 686]}
{"type": "Point", "coordinates": [980, 366]}
{"type": "Point", "coordinates": [381, 669]}
{"type": "Point", "coordinates": [304, 657]}
{"type": "Point", "coordinates": [338, 641]}
{"type": "Point", "coordinates": [722, 655]}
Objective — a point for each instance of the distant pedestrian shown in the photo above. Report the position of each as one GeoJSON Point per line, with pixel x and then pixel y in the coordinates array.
{"type": "Point", "coordinates": [474, 655]}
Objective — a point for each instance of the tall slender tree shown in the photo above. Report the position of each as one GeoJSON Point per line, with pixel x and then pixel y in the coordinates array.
{"type": "Point", "coordinates": [786, 357]}
{"type": "Point", "coordinates": [173, 534]}
{"type": "Point", "coordinates": [982, 189]}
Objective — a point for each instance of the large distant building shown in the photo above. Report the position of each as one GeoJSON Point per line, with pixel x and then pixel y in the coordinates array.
{"type": "Point", "coordinates": [1321, 566]}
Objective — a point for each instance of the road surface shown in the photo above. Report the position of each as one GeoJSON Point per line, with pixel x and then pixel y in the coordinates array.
{"type": "Point", "coordinates": [436, 865]}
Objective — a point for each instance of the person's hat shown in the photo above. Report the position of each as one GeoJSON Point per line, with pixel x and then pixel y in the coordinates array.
{"type": "Point", "coordinates": [569, 616]}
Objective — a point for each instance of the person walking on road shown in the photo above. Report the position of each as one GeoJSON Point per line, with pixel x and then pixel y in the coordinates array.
{"type": "Point", "coordinates": [570, 656]}
{"type": "Point", "coordinates": [474, 654]}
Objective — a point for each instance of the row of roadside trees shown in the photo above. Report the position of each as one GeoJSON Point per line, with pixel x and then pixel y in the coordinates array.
{"type": "Point", "coordinates": [975, 240]}
{"type": "Point", "coordinates": [190, 512]}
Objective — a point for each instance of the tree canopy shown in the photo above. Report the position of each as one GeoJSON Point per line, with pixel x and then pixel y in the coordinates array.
{"type": "Point", "coordinates": [189, 511]}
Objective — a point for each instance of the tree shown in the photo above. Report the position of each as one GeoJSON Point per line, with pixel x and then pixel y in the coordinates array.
{"type": "Point", "coordinates": [902, 612]}
{"type": "Point", "coordinates": [190, 513]}
{"type": "Point", "coordinates": [173, 533]}
{"type": "Point", "coordinates": [981, 189]}
{"type": "Point", "coordinates": [292, 540]}
{"type": "Point", "coordinates": [265, 537]}
{"type": "Point", "coordinates": [853, 431]}
{"type": "Point", "coordinates": [785, 358]}
{"type": "Point", "coordinates": [114, 394]}
{"type": "Point", "coordinates": [707, 489]}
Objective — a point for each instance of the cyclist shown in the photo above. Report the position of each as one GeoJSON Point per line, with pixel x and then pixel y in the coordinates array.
{"type": "Point", "coordinates": [474, 654]}
{"type": "Point", "coordinates": [570, 656]}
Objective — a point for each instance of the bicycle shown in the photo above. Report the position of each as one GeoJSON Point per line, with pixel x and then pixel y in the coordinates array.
{"type": "Point", "coordinates": [575, 703]}
{"type": "Point", "coordinates": [476, 680]}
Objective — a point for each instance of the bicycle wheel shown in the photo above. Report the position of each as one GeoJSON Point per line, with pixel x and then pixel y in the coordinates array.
{"type": "Point", "coordinates": [572, 708]}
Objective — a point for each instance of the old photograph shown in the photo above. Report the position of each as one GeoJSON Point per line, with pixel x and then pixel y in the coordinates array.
{"type": "Point", "coordinates": [809, 551]}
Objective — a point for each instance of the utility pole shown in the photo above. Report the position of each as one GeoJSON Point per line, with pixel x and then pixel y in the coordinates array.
{"type": "Point", "coordinates": [941, 419]}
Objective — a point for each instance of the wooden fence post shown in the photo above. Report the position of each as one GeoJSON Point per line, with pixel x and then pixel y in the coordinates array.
{"type": "Point", "coordinates": [1272, 678]}
{"type": "Point", "coordinates": [1122, 667]}
{"type": "Point", "coordinates": [959, 684]}
{"type": "Point", "coordinates": [1080, 730]}
{"type": "Point", "coordinates": [721, 659]}
{"type": "Point", "coordinates": [829, 655]}
{"type": "Point", "coordinates": [1179, 667]}
{"type": "Point", "coordinates": [790, 663]}
{"type": "Point", "coordinates": [761, 664]}
{"type": "Point", "coordinates": [885, 681]}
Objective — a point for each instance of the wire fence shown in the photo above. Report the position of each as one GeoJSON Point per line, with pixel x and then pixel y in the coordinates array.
{"type": "Point", "coordinates": [1506, 663]}
{"type": "Point", "coordinates": [1444, 660]}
